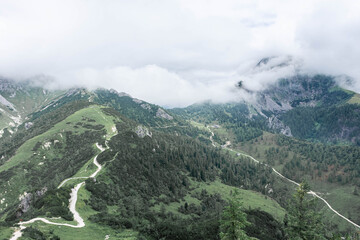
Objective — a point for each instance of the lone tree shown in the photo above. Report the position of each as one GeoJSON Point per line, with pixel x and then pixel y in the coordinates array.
{"type": "Point", "coordinates": [304, 221]}
{"type": "Point", "coordinates": [233, 220]}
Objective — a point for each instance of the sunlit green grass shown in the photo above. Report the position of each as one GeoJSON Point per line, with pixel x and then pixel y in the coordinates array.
{"type": "Point", "coordinates": [355, 99]}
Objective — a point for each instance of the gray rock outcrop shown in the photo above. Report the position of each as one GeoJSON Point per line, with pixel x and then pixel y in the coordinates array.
{"type": "Point", "coordinates": [162, 114]}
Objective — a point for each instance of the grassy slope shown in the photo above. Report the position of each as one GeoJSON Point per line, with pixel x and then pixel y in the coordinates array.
{"type": "Point", "coordinates": [92, 112]}
{"type": "Point", "coordinates": [25, 151]}
{"type": "Point", "coordinates": [355, 99]}
{"type": "Point", "coordinates": [91, 230]}
{"type": "Point", "coordinates": [340, 197]}
{"type": "Point", "coordinates": [26, 103]}
{"type": "Point", "coordinates": [250, 198]}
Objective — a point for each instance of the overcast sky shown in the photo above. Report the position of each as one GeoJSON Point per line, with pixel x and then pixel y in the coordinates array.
{"type": "Point", "coordinates": [175, 53]}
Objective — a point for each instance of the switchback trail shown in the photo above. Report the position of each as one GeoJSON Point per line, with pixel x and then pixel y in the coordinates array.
{"type": "Point", "coordinates": [282, 176]}
{"type": "Point", "coordinates": [72, 202]}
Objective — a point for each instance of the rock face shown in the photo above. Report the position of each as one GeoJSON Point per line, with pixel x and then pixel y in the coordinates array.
{"type": "Point", "coordinates": [142, 131]}
{"type": "Point", "coordinates": [120, 94]}
{"type": "Point", "coordinates": [7, 103]}
{"type": "Point", "coordinates": [146, 106]}
{"type": "Point", "coordinates": [24, 204]}
{"type": "Point", "coordinates": [137, 100]}
{"type": "Point", "coordinates": [275, 123]}
{"type": "Point", "coordinates": [28, 125]}
{"type": "Point", "coordinates": [162, 114]}
{"type": "Point", "coordinates": [41, 192]}
{"type": "Point", "coordinates": [26, 200]}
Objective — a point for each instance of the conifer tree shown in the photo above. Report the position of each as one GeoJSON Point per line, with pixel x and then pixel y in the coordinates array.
{"type": "Point", "coordinates": [304, 222]}
{"type": "Point", "coordinates": [233, 220]}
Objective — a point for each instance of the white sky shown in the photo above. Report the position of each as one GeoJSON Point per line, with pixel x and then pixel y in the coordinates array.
{"type": "Point", "coordinates": [175, 52]}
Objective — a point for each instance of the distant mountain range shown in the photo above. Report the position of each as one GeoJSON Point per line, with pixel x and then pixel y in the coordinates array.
{"type": "Point", "coordinates": [146, 172]}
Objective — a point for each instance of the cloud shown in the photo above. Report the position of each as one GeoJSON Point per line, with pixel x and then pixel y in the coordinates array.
{"type": "Point", "coordinates": [175, 52]}
{"type": "Point", "coordinates": [151, 83]}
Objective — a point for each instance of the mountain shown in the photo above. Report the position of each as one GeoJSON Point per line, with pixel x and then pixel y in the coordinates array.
{"type": "Point", "coordinates": [19, 99]}
{"type": "Point", "coordinates": [134, 170]}
{"type": "Point", "coordinates": [305, 126]}
{"type": "Point", "coordinates": [309, 107]}
{"type": "Point", "coordinates": [154, 160]}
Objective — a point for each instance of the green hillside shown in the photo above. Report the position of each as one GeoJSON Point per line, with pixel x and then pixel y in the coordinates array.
{"type": "Point", "coordinates": [161, 174]}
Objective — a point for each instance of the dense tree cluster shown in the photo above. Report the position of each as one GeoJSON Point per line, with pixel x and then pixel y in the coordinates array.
{"type": "Point", "coordinates": [149, 171]}
{"type": "Point", "coordinates": [335, 163]}
{"type": "Point", "coordinates": [329, 124]}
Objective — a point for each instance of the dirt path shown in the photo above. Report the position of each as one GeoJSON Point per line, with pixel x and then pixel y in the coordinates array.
{"type": "Point", "coordinates": [72, 202]}
{"type": "Point", "coordinates": [211, 137]}
{"type": "Point", "coordinates": [280, 175]}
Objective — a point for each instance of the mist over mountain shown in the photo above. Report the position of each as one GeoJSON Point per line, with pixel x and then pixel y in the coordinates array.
{"type": "Point", "coordinates": [170, 89]}
{"type": "Point", "coordinates": [162, 51]}
{"type": "Point", "coordinates": [180, 119]}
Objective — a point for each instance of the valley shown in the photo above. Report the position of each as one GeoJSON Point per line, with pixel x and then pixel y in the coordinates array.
{"type": "Point", "coordinates": [315, 194]}
{"type": "Point", "coordinates": [179, 120]}
{"type": "Point", "coordinates": [103, 165]}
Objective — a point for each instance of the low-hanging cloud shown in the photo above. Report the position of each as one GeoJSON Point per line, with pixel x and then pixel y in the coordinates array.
{"type": "Point", "coordinates": [175, 53]}
{"type": "Point", "coordinates": [151, 83]}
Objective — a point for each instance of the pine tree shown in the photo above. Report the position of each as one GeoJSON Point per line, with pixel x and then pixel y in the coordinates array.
{"type": "Point", "coordinates": [304, 222]}
{"type": "Point", "coordinates": [233, 220]}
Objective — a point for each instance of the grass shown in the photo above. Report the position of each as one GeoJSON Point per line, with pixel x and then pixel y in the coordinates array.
{"type": "Point", "coordinates": [12, 189]}
{"type": "Point", "coordinates": [5, 232]}
{"type": "Point", "coordinates": [86, 170]}
{"type": "Point", "coordinates": [250, 199]}
{"type": "Point", "coordinates": [91, 230]}
{"type": "Point", "coordinates": [355, 99]}
{"type": "Point", "coordinates": [93, 112]}
{"type": "Point", "coordinates": [340, 197]}
{"type": "Point", "coordinates": [198, 125]}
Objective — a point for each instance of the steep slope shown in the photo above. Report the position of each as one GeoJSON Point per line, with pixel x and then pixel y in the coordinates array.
{"type": "Point", "coordinates": [144, 171]}
{"type": "Point", "coordinates": [17, 100]}
{"type": "Point", "coordinates": [135, 109]}
{"type": "Point", "coordinates": [311, 107]}
{"type": "Point", "coordinates": [43, 161]}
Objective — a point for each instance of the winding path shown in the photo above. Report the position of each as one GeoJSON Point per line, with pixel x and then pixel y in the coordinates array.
{"type": "Point", "coordinates": [72, 202]}
{"type": "Point", "coordinates": [282, 176]}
